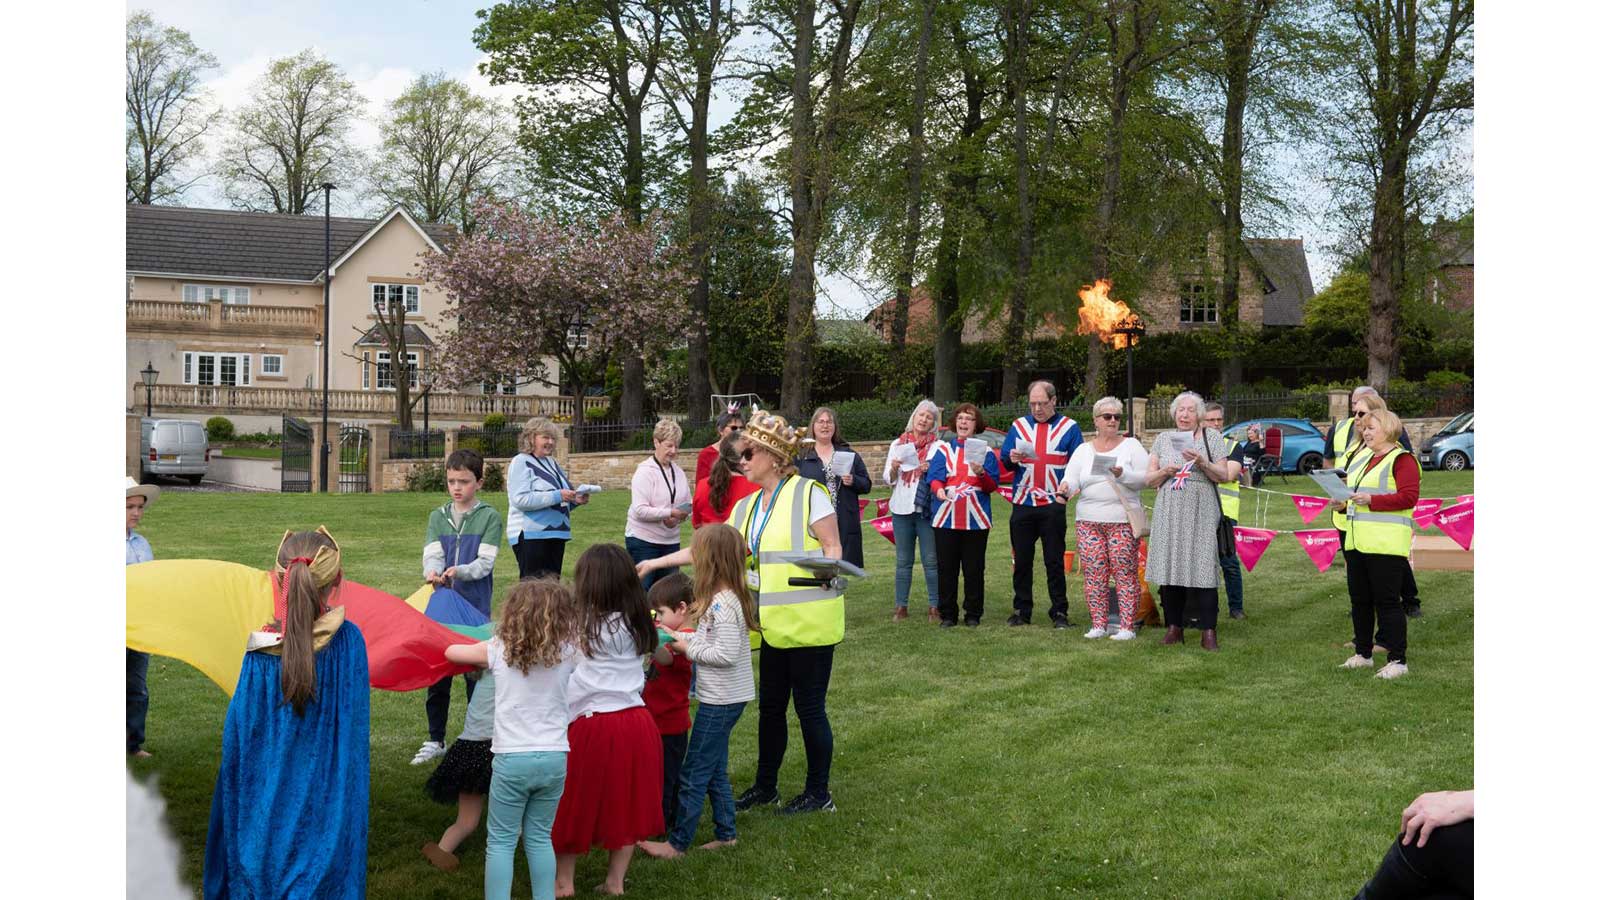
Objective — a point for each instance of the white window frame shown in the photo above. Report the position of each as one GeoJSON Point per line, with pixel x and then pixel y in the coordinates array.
{"type": "Point", "coordinates": [272, 364]}
{"type": "Point", "coordinates": [366, 370]}
{"type": "Point", "coordinates": [205, 293]}
{"type": "Point", "coordinates": [411, 292]}
{"type": "Point", "coordinates": [413, 358]}
{"type": "Point", "coordinates": [241, 367]}
{"type": "Point", "coordinates": [578, 337]}
{"type": "Point", "coordinates": [501, 387]}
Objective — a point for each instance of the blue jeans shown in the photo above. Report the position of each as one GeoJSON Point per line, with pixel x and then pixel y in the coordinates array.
{"type": "Point", "coordinates": [641, 550]}
{"type": "Point", "coordinates": [705, 772]}
{"type": "Point", "coordinates": [909, 531]}
{"type": "Point", "coordinates": [138, 698]}
{"type": "Point", "coordinates": [523, 795]}
{"type": "Point", "coordinates": [1234, 580]}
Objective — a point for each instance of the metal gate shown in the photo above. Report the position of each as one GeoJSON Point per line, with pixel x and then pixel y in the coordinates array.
{"type": "Point", "coordinates": [354, 444]}
{"type": "Point", "coordinates": [296, 464]}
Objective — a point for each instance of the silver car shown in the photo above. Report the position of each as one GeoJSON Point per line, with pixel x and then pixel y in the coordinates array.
{"type": "Point", "coordinates": [173, 447]}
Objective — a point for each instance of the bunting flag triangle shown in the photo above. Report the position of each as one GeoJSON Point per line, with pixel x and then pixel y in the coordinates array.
{"type": "Point", "coordinates": [1456, 522]}
{"type": "Point", "coordinates": [1425, 510]}
{"type": "Point", "coordinates": [883, 506]}
{"type": "Point", "coordinates": [1309, 507]}
{"type": "Point", "coordinates": [1252, 542]}
{"type": "Point", "coordinates": [1321, 544]}
{"type": "Point", "coordinates": [1005, 491]}
{"type": "Point", "coordinates": [885, 526]}
{"type": "Point", "coordinates": [863, 507]}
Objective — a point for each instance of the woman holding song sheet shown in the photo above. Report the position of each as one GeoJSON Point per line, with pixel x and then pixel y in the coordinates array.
{"type": "Point", "coordinates": [1110, 518]}
{"type": "Point", "coordinates": [905, 468]}
{"type": "Point", "coordinates": [962, 473]}
{"type": "Point", "coordinates": [831, 462]}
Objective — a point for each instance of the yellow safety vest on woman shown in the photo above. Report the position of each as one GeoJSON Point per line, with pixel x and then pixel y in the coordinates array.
{"type": "Point", "coordinates": [1349, 457]}
{"type": "Point", "coordinates": [791, 616]}
{"type": "Point", "coordinates": [1228, 491]}
{"type": "Point", "coordinates": [1387, 533]}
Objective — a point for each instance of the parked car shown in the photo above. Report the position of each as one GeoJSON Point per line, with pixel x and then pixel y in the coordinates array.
{"type": "Point", "coordinates": [173, 447]}
{"type": "Point", "coordinates": [1302, 442]}
{"type": "Point", "coordinates": [1451, 447]}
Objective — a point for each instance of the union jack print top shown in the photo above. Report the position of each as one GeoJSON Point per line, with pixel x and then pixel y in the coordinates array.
{"type": "Point", "coordinates": [968, 506]}
{"type": "Point", "coordinates": [1038, 476]}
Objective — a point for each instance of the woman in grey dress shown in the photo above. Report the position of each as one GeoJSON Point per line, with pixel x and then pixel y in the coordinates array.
{"type": "Point", "coordinates": [1186, 464]}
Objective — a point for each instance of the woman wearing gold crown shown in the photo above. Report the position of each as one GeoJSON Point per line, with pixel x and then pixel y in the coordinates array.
{"type": "Point", "coordinates": [800, 625]}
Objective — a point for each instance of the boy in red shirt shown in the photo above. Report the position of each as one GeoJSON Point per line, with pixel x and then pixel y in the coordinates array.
{"type": "Point", "coordinates": [666, 686]}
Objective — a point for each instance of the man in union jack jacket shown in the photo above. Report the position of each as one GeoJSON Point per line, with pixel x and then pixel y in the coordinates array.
{"type": "Point", "coordinates": [1037, 448]}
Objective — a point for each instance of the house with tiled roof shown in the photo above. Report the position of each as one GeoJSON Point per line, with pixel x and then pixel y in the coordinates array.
{"type": "Point", "coordinates": [227, 307]}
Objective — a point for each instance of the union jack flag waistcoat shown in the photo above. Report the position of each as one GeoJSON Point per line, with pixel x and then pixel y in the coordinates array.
{"type": "Point", "coordinates": [968, 506]}
{"type": "Point", "coordinates": [1039, 476]}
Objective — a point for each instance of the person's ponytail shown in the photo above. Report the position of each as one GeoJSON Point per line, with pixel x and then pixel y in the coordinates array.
{"type": "Point", "coordinates": [722, 471]}
{"type": "Point", "coordinates": [302, 606]}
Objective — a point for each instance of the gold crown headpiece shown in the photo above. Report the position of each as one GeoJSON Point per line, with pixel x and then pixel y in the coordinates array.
{"type": "Point", "coordinates": [774, 433]}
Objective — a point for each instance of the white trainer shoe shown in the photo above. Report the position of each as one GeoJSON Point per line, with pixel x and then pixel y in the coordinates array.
{"type": "Point", "coordinates": [1095, 632]}
{"type": "Point", "coordinates": [1392, 671]}
{"type": "Point", "coordinates": [428, 750]}
{"type": "Point", "coordinates": [1124, 634]}
{"type": "Point", "coordinates": [1357, 662]}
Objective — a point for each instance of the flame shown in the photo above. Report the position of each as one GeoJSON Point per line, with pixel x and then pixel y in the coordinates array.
{"type": "Point", "coordinates": [1100, 314]}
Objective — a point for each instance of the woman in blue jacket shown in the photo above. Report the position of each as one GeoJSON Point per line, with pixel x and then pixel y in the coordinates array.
{"type": "Point", "coordinates": [539, 523]}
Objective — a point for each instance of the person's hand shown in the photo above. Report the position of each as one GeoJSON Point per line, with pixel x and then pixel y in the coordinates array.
{"type": "Point", "coordinates": [1362, 499]}
{"type": "Point", "coordinates": [1190, 455]}
{"type": "Point", "coordinates": [675, 518]}
{"type": "Point", "coordinates": [1339, 506]}
{"type": "Point", "coordinates": [846, 478]}
{"type": "Point", "coordinates": [431, 577]}
{"type": "Point", "coordinates": [645, 568]}
{"type": "Point", "coordinates": [942, 495]}
{"type": "Point", "coordinates": [447, 575]}
{"type": "Point", "coordinates": [1434, 809]}
{"type": "Point", "coordinates": [922, 469]}
{"type": "Point", "coordinates": [894, 467]}
{"type": "Point", "coordinates": [1116, 471]}
{"type": "Point", "coordinates": [1065, 494]}
{"type": "Point", "coordinates": [1169, 471]}
{"type": "Point", "coordinates": [569, 496]}
{"type": "Point", "coordinates": [1015, 459]}
{"type": "Point", "coordinates": [580, 499]}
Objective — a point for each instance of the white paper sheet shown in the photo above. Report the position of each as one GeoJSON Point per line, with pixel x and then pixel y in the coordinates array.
{"type": "Point", "coordinates": [976, 451]}
{"type": "Point", "coordinates": [1181, 441]}
{"type": "Point", "coordinates": [1331, 483]}
{"type": "Point", "coordinates": [1102, 464]}
{"type": "Point", "coordinates": [842, 462]}
{"type": "Point", "coordinates": [587, 489]}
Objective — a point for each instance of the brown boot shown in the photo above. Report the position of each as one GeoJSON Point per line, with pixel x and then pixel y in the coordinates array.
{"type": "Point", "coordinates": [1208, 639]}
{"type": "Point", "coordinates": [1174, 635]}
{"type": "Point", "coordinates": [900, 613]}
{"type": "Point", "coordinates": [440, 857]}
{"type": "Point", "coordinates": [933, 614]}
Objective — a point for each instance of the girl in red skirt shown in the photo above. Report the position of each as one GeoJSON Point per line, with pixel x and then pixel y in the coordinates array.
{"type": "Point", "coordinates": [613, 789]}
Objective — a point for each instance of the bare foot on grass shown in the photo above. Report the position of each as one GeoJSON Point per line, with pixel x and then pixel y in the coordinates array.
{"type": "Point", "coordinates": [659, 849]}
{"type": "Point", "coordinates": [718, 845]}
{"type": "Point", "coordinates": [608, 889]}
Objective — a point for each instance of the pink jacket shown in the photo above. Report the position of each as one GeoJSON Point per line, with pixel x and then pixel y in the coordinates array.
{"type": "Point", "coordinates": [654, 496]}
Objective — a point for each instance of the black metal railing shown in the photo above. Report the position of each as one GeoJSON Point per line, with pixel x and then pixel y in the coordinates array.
{"type": "Point", "coordinates": [606, 436]}
{"type": "Point", "coordinates": [492, 443]}
{"type": "Point", "coordinates": [416, 444]}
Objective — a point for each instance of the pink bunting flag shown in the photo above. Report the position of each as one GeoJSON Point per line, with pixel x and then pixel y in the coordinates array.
{"type": "Point", "coordinates": [863, 508]}
{"type": "Point", "coordinates": [1005, 491]}
{"type": "Point", "coordinates": [1320, 544]}
{"type": "Point", "coordinates": [1464, 498]}
{"type": "Point", "coordinates": [1252, 542]}
{"type": "Point", "coordinates": [883, 506]}
{"type": "Point", "coordinates": [885, 526]}
{"type": "Point", "coordinates": [1309, 507]}
{"type": "Point", "coordinates": [1457, 523]}
{"type": "Point", "coordinates": [1424, 513]}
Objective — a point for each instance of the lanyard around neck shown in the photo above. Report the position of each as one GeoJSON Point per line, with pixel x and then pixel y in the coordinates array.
{"type": "Point", "coordinates": [672, 483]}
{"type": "Point", "coordinates": [755, 540]}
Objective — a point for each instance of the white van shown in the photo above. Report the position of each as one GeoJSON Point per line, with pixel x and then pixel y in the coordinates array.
{"type": "Point", "coordinates": [173, 447]}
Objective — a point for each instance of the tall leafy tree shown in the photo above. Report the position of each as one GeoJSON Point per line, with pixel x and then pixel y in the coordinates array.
{"type": "Point", "coordinates": [747, 277]}
{"type": "Point", "coordinates": [167, 109]}
{"type": "Point", "coordinates": [292, 136]}
{"type": "Point", "coordinates": [442, 147]}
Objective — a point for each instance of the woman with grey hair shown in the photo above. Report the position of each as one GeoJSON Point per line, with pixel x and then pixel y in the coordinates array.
{"type": "Point", "coordinates": [1108, 546]}
{"type": "Point", "coordinates": [662, 500]}
{"type": "Point", "coordinates": [539, 522]}
{"type": "Point", "coordinates": [1186, 465]}
{"type": "Point", "coordinates": [906, 470]}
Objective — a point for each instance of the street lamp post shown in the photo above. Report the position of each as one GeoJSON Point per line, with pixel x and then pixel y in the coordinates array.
{"type": "Point", "coordinates": [1131, 328]}
{"type": "Point", "coordinates": [427, 389]}
{"type": "Point", "coordinates": [148, 373]}
{"type": "Point", "coordinates": [327, 328]}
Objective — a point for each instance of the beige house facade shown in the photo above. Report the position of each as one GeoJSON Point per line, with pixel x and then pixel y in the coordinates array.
{"type": "Point", "coordinates": [227, 307]}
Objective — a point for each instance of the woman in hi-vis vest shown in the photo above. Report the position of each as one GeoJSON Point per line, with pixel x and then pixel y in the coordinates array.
{"type": "Point", "coordinates": [1377, 550]}
{"type": "Point", "coordinates": [799, 624]}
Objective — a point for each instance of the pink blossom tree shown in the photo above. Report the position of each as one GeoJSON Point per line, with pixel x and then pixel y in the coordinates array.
{"type": "Point", "coordinates": [522, 287]}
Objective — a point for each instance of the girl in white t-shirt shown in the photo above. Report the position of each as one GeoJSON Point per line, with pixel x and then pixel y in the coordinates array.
{"type": "Point", "coordinates": [613, 793]}
{"type": "Point", "coordinates": [531, 657]}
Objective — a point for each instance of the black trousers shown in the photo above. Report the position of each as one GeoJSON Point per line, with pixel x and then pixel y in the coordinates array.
{"type": "Point", "coordinates": [1189, 607]}
{"type": "Point", "coordinates": [1408, 590]}
{"type": "Point", "coordinates": [1440, 871]}
{"type": "Point", "coordinates": [960, 554]}
{"type": "Point", "coordinates": [1375, 580]}
{"type": "Point", "coordinates": [539, 557]}
{"type": "Point", "coordinates": [438, 704]}
{"type": "Point", "coordinates": [1047, 524]}
{"type": "Point", "coordinates": [673, 749]}
{"type": "Point", "coordinates": [802, 672]}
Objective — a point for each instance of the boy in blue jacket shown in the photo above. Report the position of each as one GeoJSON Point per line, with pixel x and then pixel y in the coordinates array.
{"type": "Point", "coordinates": [459, 553]}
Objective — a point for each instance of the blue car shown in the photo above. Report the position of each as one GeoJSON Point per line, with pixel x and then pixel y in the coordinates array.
{"type": "Point", "coordinates": [1302, 442]}
{"type": "Point", "coordinates": [1451, 447]}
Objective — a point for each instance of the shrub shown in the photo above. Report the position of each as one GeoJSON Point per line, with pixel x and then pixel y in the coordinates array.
{"type": "Point", "coordinates": [219, 428]}
{"type": "Point", "coordinates": [494, 420]}
{"type": "Point", "coordinates": [1444, 378]}
{"type": "Point", "coordinates": [428, 477]}
{"type": "Point", "coordinates": [494, 477]}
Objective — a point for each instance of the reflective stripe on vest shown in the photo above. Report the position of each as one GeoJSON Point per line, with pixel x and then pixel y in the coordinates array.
{"type": "Point", "coordinates": [791, 615]}
{"type": "Point", "coordinates": [1360, 457]}
{"type": "Point", "coordinates": [1228, 491]}
{"type": "Point", "coordinates": [1387, 533]}
{"type": "Point", "coordinates": [1341, 443]}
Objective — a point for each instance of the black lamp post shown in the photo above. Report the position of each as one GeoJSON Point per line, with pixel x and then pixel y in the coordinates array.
{"type": "Point", "coordinates": [148, 373]}
{"type": "Point", "coordinates": [427, 389]}
{"type": "Point", "coordinates": [327, 327]}
{"type": "Point", "coordinates": [1131, 328]}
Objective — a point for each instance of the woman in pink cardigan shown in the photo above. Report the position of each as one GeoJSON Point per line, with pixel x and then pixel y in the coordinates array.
{"type": "Point", "coordinates": [662, 499]}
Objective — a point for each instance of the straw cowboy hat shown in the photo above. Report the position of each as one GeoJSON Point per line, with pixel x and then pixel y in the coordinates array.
{"type": "Point", "coordinates": [148, 491]}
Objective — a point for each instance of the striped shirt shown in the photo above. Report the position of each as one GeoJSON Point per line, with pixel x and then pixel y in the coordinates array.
{"type": "Point", "coordinates": [720, 648]}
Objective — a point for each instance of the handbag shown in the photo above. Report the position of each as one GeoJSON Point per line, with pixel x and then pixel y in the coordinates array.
{"type": "Point", "coordinates": [1227, 546]}
{"type": "Point", "coordinates": [1133, 507]}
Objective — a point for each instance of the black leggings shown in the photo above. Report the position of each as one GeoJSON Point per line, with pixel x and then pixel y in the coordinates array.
{"type": "Point", "coordinates": [804, 673]}
{"type": "Point", "coordinates": [960, 554]}
{"type": "Point", "coordinates": [1440, 871]}
{"type": "Point", "coordinates": [539, 557]}
{"type": "Point", "coordinates": [1375, 581]}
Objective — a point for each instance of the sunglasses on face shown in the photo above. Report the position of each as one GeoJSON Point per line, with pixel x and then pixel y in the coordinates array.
{"type": "Point", "coordinates": [1360, 414]}
{"type": "Point", "coordinates": [1111, 417]}
{"type": "Point", "coordinates": [735, 427]}
{"type": "Point", "coordinates": [748, 454]}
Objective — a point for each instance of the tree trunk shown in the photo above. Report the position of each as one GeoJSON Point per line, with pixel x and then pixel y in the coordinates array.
{"type": "Point", "coordinates": [698, 395]}
{"type": "Point", "coordinates": [1388, 224]}
{"type": "Point", "coordinates": [1236, 92]}
{"type": "Point", "coordinates": [796, 384]}
{"type": "Point", "coordinates": [1105, 217]}
{"type": "Point", "coordinates": [906, 273]}
{"type": "Point", "coordinates": [1017, 14]}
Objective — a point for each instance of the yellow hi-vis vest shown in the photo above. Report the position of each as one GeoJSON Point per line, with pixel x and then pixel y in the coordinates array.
{"type": "Point", "coordinates": [1357, 458]}
{"type": "Point", "coordinates": [1344, 448]}
{"type": "Point", "coordinates": [1388, 533]}
{"type": "Point", "coordinates": [791, 616]}
{"type": "Point", "coordinates": [1228, 491]}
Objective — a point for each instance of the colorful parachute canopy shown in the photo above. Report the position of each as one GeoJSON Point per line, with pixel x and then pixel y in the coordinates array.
{"type": "Point", "coordinates": [202, 611]}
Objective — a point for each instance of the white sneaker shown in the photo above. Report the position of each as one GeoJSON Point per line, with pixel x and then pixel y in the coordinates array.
{"type": "Point", "coordinates": [1124, 634]}
{"type": "Point", "coordinates": [1357, 662]}
{"type": "Point", "coordinates": [1391, 671]}
{"type": "Point", "coordinates": [428, 750]}
{"type": "Point", "coordinates": [1095, 632]}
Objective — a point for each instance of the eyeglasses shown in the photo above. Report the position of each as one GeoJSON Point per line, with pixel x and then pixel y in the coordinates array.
{"type": "Point", "coordinates": [1111, 417]}
{"type": "Point", "coordinates": [748, 454]}
{"type": "Point", "coordinates": [735, 427]}
{"type": "Point", "coordinates": [1360, 414]}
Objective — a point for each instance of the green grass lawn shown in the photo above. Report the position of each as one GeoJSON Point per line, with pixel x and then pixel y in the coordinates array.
{"type": "Point", "coordinates": [993, 762]}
